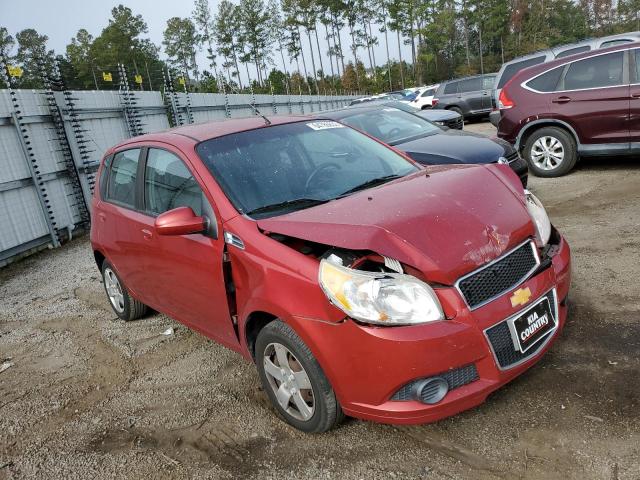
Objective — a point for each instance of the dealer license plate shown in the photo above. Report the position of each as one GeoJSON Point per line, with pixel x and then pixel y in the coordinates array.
{"type": "Point", "coordinates": [532, 325]}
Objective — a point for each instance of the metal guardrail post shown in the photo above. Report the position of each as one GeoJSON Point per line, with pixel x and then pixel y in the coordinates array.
{"type": "Point", "coordinates": [30, 157]}
{"type": "Point", "coordinates": [53, 80]}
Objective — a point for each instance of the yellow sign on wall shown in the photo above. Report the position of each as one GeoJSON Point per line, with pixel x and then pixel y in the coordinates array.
{"type": "Point", "coordinates": [182, 81]}
{"type": "Point", "coordinates": [138, 79]}
{"type": "Point", "coordinates": [14, 71]}
{"type": "Point", "coordinates": [107, 77]}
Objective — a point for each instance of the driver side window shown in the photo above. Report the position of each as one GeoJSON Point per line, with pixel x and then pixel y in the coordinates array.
{"type": "Point", "coordinates": [169, 184]}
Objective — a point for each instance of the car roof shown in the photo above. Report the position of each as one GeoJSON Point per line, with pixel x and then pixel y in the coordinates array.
{"type": "Point", "coordinates": [199, 132]}
{"type": "Point", "coordinates": [542, 67]}
{"type": "Point", "coordinates": [467, 77]}
{"type": "Point", "coordinates": [354, 110]}
{"type": "Point", "coordinates": [556, 50]}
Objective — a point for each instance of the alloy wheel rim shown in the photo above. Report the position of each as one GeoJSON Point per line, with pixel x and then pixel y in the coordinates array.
{"type": "Point", "coordinates": [547, 153]}
{"type": "Point", "coordinates": [289, 382]}
{"type": "Point", "coordinates": [114, 290]}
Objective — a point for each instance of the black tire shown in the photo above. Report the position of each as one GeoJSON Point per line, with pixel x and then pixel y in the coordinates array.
{"type": "Point", "coordinates": [327, 413]}
{"type": "Point", "coordinates": [458, 110]}
{"type": "Point", "coordinates": [569, 152]}
{"type": "Point", "coordinates": [130, 308]}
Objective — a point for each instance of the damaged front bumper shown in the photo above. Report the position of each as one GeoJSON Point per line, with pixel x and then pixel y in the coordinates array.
{"type": "Point", "coordinates": [373, 369]}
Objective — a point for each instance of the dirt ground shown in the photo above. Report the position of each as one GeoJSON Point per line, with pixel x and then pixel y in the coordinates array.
{"type": "Point", "coordinates": [89, 396]}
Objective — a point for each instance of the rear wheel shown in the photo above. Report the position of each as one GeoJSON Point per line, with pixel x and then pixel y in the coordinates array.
{"type": "Point", "coordinates": [550, 152]}
{"type": "Point", "coordinates": [125, 306]}
{"type": "Point", "coordinates": [457, 110]}
{"type": "Point", "coordinates": [294, 381]}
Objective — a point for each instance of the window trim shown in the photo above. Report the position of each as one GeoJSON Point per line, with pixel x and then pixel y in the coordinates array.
{"type": "Point", "coordinates": [105, 195]}
{"type": "Point", "coordinates": [625, 74]}
{"type": "Point", "coordinates": [634, 66]}
{"type": "Point", "coordinates": [143, 186]}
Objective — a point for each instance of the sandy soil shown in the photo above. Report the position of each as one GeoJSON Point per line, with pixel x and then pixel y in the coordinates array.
{"type": "Point", "coordinates": [89, 396]}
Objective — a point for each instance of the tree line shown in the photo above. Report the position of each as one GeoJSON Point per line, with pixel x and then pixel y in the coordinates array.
{"type": "Point", "coordinates": [320, 46]}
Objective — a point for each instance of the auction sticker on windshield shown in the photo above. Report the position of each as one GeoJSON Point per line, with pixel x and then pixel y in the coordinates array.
{"type": "Point", "coordinates": [324, 125]}
{"type": "Point", "coordinates": [533, 325]}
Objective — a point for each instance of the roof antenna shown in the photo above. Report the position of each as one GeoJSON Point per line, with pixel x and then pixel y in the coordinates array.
{"type": "Point", "coordinates": [253, 107]}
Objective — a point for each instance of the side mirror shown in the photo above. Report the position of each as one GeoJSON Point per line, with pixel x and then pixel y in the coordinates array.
{"type": "Point", "coordinates": [180, 221]}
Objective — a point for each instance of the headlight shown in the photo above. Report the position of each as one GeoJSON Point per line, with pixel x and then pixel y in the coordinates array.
{"type": "Point", "coordinates": [540, 218]}
{"type": "Point", "coordinates": [380, 298]}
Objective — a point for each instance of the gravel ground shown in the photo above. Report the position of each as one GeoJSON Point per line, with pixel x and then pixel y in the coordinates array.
{"type": "Point", "coordinates": [89, 396]}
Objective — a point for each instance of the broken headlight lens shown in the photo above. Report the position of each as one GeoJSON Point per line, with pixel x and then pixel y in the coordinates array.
{"type": "Point", "coordinates": [540, 218]}
{"type": "Point", "coordinates": [379, 298]}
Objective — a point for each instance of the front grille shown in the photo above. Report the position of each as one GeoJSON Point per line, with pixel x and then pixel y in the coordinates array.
{"type": "Point", "coordinates": [456, 123]}
{"type": "Point", "coordinates": [455, 378]}
{"type": "Point", "coordinates": [502, 344]}
{"type": "Point", "coordinates": [495, 278]}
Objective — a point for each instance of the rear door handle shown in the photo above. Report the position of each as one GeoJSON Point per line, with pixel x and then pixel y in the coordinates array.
{"type": "Point", "coordinates": [562, 99]}
{"type": "Point", "coordinates": [147, 234]}
{"type": "Point", "coordinates": [102, 217]}
{"type": "Point", "coordinates": [635, 95]}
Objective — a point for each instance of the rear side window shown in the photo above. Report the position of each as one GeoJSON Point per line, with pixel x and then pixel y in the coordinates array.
{"type": "Point", "coordinates": [515, 67]}
{"type": "Point", "coordinates": [573, 51]}
{"type": "Point", "coordinates": [169, 184]}
{"type": "Point", "coordinates": [613, 43]}
{"type": "Point", "coordinates": [637, 65]}
{"type": "Point", "coordinates": [428, 93]}
{"type": "Point", "coordinates": [121, 186]}
{"type": "Point", "coordinates": [471, 85]}
{"type": "Point", "coordinates": [488, 81]}
{"type": "Point", "coordinates": [596, 72]}
{"type": "Point", "coordinates": [451, 88]}
{"type": "Point", "coordinates": [547, 82]}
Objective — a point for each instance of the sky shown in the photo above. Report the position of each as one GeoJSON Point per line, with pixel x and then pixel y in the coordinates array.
{"type": "Point", "coordinates": [61, 19]}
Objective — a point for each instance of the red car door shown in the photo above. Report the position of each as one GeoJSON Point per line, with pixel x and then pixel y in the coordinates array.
{"type": "Point", "coordinates": [594, 98]}
{"type": "Point", "coordinates": [120, 222]}
{"type": "Point", "coordinates": [184, 272]}
{"type": "Point", "coordinates": [634, 106]}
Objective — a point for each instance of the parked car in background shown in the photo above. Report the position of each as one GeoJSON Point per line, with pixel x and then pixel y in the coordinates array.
{"type": "Point", "coordinates": [358, 282]}
{"type": "Point", "coordinates": [509, 69]}
{"type": "Point", "coordinates": [427, 143]}
{"type": "Point", "coordinates": [424, 97]}
{"type": "Point", "coordinates": [583, 105]}
{"type": "Point", "coordinates": [469, 96]}
{"type": "Point", "coordinates": [444, 118]}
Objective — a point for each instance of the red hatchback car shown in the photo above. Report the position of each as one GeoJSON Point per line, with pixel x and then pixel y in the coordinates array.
{"type": "Point", "coordinates": [357, 281]}
{"type": "Point", "coordinates": [582, 105]}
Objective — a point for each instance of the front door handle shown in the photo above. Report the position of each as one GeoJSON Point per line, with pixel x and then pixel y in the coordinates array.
{"type": "Point", "coordinates": [147, 234]}
{"type": "Point", "coordinates": [102, 217]}
{"type": "Point", "coordinates": [635, 95]}
{"type": "Point", "coordinates": [562, 99]}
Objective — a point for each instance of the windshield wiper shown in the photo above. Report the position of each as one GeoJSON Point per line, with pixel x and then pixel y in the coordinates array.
{"type": "Point", "coordinates": [297, 204]}
{"type": "Point", "coordinates": [371, 183]}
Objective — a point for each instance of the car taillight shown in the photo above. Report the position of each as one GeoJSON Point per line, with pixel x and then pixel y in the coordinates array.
{"type": "Point", "coordinates": [434, 102]}
{"type": "Point", "coordinates": [504, 102]}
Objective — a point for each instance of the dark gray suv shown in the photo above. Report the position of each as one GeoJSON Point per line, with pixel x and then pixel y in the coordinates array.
{"type": "Point", "coordinates": [469, 96]}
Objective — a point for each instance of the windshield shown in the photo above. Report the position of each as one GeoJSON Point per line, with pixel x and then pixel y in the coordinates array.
{"type": "Point", "coordinates": [391, 125]}
{"type": "Point", "coordinates": [278, 169]}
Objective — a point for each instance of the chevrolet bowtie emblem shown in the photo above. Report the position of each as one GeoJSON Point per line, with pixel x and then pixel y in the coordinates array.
{"type": "Point", "coordinates": [520, 297]}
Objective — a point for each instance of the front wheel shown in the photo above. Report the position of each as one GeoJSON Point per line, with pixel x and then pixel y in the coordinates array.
{"type": "Point", "coordinates": [294, 381]}
{"type": "Point", "coordinates": [550, 152]}
{"type": "Point", "coordinates": [125, 306]}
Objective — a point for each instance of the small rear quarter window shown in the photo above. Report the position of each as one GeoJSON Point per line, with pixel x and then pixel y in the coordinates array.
{"type": "Point", "coordinates": [515, 67]}
{"type": "Point", "coordinates": [451, 88]}
{"type": "Point", "coordinates": [547, 82]}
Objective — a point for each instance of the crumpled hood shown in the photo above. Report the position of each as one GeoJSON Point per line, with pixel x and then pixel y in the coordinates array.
{"type": "Point", "coordinates": [446, 223]}
{"type": "Point", "coordinates": [454, 147]}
